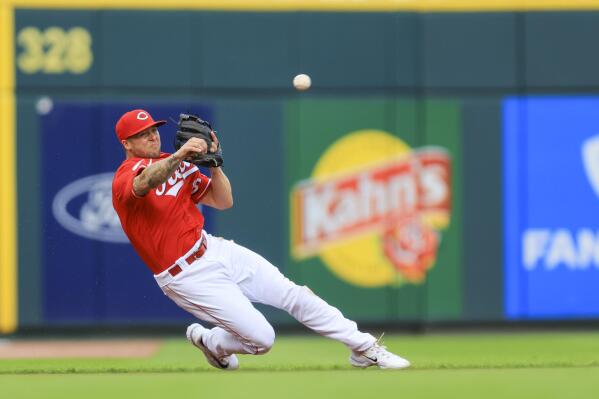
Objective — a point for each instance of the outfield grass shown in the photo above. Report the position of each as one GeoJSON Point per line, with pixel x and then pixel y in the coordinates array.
{"type": "Point", "coordinates": [444, 366]}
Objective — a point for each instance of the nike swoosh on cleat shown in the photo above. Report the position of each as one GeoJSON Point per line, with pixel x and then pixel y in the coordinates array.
{"type": "Point", "coordinates": [372, 359]}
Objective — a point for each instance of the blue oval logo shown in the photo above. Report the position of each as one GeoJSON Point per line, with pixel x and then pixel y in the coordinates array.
{"type": "Point", "coordinates": [95, 219]}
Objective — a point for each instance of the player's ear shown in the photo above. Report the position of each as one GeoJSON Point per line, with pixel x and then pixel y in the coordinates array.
{"type": "Point", "coordinates": [126, 144]}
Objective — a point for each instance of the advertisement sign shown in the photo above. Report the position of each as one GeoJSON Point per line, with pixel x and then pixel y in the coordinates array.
{"type": "Point", "coordinates": [551, 189]}
{"type": "Point", "coordinates": [375, 205]}
{"type": "Point", "coordinates": [90, 271]}
{"type": "Point", "coordinates": [386, 209]}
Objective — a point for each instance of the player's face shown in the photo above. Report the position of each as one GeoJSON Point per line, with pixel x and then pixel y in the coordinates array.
{"type": "Point", "coordinates": [145, 144]}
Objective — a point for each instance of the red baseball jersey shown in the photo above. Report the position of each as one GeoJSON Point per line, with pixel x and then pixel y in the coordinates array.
{"type": "Point", "coordinates": [165, 223]}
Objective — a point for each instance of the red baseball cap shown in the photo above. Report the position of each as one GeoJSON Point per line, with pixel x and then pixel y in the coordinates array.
{"type": "Point", "coordinates": [134, 122]}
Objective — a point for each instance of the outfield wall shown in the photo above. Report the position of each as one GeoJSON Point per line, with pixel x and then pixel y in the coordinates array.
{"type": "Point", "coordinates": [442, 167]}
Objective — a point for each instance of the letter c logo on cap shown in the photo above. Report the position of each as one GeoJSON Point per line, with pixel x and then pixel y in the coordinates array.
{"type": "Point", "coordinates": [142, 116]}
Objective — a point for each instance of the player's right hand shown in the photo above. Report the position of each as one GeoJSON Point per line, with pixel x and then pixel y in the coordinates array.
{"type": "Point", "coordinates": [192, 148]}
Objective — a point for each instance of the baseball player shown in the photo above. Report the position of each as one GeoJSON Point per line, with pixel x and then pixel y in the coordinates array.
{"type": "Point", "coordinates": [156, 194]}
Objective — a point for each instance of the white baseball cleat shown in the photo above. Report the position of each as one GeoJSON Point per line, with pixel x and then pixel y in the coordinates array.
{"type": "Point", "coordinates": [378, 355]}
{"type": "Point", "coordinates": [194, 335]}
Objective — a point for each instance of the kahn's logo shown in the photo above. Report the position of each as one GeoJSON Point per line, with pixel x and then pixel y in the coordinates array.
{"type": "Point", "coordinates": [84, 207]}
{"type": "Point", "coordinates": [374, 217]}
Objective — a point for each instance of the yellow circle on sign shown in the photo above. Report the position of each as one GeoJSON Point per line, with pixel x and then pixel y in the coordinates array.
{"type": "Point", "coordinates": [360, 260]}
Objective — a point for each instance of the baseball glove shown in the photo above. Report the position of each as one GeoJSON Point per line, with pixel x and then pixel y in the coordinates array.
{"type": "Point", "coordinates": [193, 126]}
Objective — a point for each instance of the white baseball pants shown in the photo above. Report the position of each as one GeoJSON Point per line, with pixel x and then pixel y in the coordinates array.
{"type": "Point", "coordinates": [220, 286]}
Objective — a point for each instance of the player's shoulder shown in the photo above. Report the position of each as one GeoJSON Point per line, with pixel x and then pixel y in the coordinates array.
{"type": "Point", "coordinates": [130, 165]}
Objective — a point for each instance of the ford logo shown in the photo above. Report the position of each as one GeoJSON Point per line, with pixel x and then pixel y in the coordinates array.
{"type": "Point", "coordinates": [95, 219]}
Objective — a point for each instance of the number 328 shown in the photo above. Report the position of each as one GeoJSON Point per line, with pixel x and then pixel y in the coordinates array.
{"type": "Point", "coordinates": [54, 50]}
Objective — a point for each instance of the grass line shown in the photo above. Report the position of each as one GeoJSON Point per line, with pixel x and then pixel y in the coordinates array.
{"type": "Point", "coordinates": [162, 370]}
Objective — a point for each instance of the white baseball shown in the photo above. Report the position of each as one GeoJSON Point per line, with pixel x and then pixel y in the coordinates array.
{"type": "Point", "coordinates": [302, 82]}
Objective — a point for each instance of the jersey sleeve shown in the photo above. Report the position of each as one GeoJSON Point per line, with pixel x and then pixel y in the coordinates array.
{"type": "Point", "coordinates": [123, 181]}
{"type": "Point", "coordinates": [201, 185]}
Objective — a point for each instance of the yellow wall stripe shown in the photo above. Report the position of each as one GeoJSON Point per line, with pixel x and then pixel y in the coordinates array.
{"type": "Point", "coordinates": [318, 5]}
{"type": "Point", "coordinates": [8, 210]}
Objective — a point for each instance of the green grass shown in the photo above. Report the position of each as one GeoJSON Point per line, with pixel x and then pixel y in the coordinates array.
{"type": "Point", "coordinates": [444, 366]}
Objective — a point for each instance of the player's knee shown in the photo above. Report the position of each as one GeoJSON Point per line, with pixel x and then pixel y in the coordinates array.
{"type": "Point", "coordinates": [264, 340]}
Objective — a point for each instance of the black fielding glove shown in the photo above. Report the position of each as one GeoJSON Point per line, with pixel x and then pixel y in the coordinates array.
{"type": "Point", "coordinates": [193, 126]}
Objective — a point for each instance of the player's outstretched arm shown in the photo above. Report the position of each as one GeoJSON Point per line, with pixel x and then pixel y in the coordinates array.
{"type": "Point", "coordinates": [159, 172]}
{"type": "Point", "coordinates": [220, 194]}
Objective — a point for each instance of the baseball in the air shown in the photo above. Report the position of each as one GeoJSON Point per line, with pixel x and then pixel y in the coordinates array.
{"type": "Point", "coordinates": [302, 82]}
